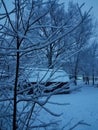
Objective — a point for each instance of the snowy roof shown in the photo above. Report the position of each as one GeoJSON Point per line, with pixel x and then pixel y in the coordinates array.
{"type": "Point", "coordinates": [49, 75]}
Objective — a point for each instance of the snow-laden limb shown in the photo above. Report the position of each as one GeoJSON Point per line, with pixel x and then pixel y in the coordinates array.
{"type": "Point", "coordinates": [42, 45]}
{"type": "Point", "coordinates": [50, 112]}
{"type": "Point", "coordinates": [45, 125]}
{"type": "Point", "coordinates": [5, 99]}
{"type": "Point", "coordinates": [27, 114]}
{"type": "Point", "coordinates": [81, 122]}
{"type": "Point", "coordinates": [56, 103]}
{"type": "Point", "coordinates": [8, 15]}
{"type": "Point", "coordinates": [67, 124]}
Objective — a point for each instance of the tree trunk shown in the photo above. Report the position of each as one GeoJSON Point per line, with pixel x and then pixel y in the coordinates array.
{"type": "Point", "coordinates": [50, 57]}
{"type": "Point", "coordinates": [93, 79]}
{"type": "Point", "coordinates": [15, 90]}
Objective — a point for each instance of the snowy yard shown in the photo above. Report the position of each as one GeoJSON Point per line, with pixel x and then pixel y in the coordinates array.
{"type": "Point", "coordinates": [45, 47]}
{"type": "Point", "coordinates": [82, 111]}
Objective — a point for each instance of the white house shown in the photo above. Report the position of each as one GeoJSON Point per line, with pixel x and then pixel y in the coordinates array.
{"type": "Point", "coordinates": [46, 75]}
{"type": "Point", "coordinates": [51, 78]}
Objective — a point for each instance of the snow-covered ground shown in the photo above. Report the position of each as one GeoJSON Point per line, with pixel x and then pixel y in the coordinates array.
{"type": "Point", "coordinates": [81, 114]}
{"type": "Point", "coordinates": [78, 111]}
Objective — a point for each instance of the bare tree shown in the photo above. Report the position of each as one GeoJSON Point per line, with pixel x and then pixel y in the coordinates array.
{"type": "Point", "coordinates": [88, 64]}
{"type": "Point", "coordinates": [22, 35]}
{"type": "Point", "coordinates": [80, 36]}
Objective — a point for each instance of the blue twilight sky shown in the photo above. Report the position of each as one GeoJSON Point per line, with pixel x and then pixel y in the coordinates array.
{"type": "Point", "coordinates": [88, 4]}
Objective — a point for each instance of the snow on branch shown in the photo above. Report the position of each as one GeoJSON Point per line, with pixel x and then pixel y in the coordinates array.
{"type": "Point", "coordinates": [81, 122]}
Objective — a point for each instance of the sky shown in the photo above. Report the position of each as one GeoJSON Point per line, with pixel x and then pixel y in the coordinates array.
{"type": "Point", "coordinates": [88, 4]}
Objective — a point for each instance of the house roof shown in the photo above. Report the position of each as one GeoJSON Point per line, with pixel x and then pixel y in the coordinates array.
{"type": "Point", "coordinates": [47, 75]}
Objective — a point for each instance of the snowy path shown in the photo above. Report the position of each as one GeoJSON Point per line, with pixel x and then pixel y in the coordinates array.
{"type": "Point", "coordinates": [83, 106]}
